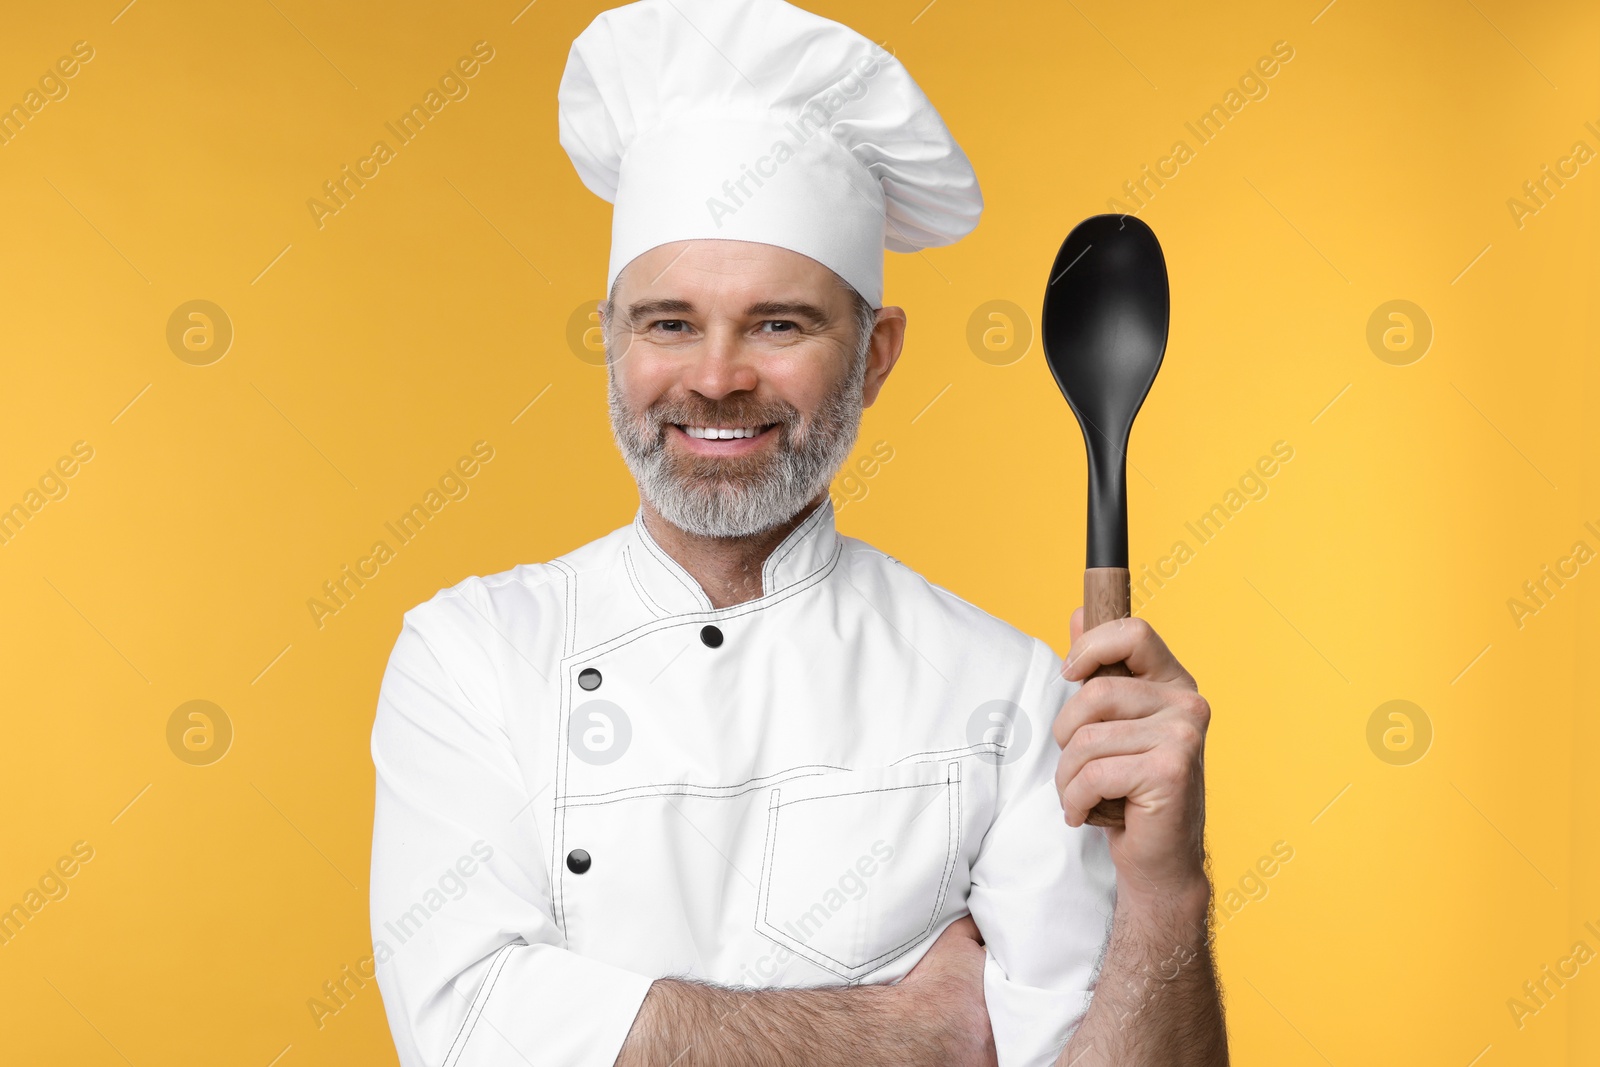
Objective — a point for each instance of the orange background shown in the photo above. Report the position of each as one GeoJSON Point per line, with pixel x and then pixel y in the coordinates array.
{"type": "Point", "coordinates": [436, 309]}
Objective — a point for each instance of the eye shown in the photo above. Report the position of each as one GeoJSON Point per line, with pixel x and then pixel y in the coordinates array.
{"type": "Point", "coordinates": [781, 322]}
{"type": "Point", "coordinates": [669, 325]}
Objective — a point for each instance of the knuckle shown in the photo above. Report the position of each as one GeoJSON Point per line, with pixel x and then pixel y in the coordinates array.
{"type": "Point", "coordinates": [1188, 736]}
{"type": "Point", "coordinates": [1172, 768]}
{"type": "Point", "coordinates": [1093, 774]}
{"type": "Point", "coordinates": [1086, 736]}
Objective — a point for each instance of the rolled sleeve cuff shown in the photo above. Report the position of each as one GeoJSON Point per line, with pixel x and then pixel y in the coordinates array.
{"type": "Point", "coordinates": [538, 1004]}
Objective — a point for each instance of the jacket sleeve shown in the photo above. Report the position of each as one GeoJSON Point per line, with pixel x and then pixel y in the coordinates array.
{"type": "Point", "coordinates": [1042, 892]}
{"type": "Point", "coordinates": [473, 970]}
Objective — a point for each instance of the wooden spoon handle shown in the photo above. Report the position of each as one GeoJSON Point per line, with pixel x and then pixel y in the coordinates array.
{"type": "Point", "coordinates": [1106, 596]}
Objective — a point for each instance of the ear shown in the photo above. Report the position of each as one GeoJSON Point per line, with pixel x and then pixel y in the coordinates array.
{"type": "Point", "coordinates": [883, 351]}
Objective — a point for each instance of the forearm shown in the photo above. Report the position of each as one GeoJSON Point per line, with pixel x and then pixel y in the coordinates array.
{"type": "Point", "coordinates": [1157, 1001]}
{"type": "Point", "coordinates": [691, 1024]}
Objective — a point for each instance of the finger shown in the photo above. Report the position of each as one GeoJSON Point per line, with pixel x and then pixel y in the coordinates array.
{"type": "Point", "coordinates": [1098, 740]}
{"type": "Point", "coordinates": [1075, 625]}
{"type": "Point", "coordinates": [1104, 699]}
{"type": "Point", "coordinates": [1103, 779]}
{"type": "Point", "coordinates": [1132, 641]}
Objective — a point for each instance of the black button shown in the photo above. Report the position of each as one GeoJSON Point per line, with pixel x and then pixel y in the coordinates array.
{"type": "Point", "coordinates": [589, 678]}
{"type": "Point", "coordinates": [711, 636]}
{"type": "Point", "coordinates": [577, 861]}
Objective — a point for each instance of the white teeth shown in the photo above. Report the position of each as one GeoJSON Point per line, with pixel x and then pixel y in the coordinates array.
{"type": "Point", "coordinates": [712, 433]}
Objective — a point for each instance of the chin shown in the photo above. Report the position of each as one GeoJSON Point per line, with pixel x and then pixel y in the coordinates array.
{"type": "Point", "coordinates": [718, 513]}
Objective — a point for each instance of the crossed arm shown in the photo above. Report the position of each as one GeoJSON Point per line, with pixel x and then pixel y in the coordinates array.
{"type": "Point", "coordinates": [699, 1025]}
{"type": "Point", "coordinates": [1156, 1003]}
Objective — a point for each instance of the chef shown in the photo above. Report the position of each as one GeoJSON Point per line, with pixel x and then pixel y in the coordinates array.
{"type": "Point", "coordinates": [726, 786]}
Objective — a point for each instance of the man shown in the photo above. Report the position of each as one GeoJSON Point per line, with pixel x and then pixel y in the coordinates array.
{"type": "Point", "coordinates": [725, 786]}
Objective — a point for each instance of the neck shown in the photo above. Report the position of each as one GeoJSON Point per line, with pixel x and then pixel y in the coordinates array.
{"type": "Point", "coordinates": [727, 568]}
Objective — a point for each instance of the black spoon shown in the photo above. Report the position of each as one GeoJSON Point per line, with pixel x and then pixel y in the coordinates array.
{"type": "Point", "coordinates": [1105, 329]}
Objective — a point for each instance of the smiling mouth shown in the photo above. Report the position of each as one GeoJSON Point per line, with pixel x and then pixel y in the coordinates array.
{"type": "Point", "coordinates": [724, 433]}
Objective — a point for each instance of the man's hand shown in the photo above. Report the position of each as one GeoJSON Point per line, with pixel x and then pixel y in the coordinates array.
{"type": "Point", "coordinates": [1142, 738]}
{"type": "Point", "coordinates": [947, 985]}
{"type": "Point", "coordinates": [1156, 1001]}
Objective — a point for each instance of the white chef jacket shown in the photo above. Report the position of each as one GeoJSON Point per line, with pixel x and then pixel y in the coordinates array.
{"type": "Point", "coordinates": [807, 802]}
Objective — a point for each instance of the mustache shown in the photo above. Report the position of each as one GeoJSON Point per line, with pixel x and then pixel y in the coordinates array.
{"type": "Point", "coordinates": [658, 418]}
{"type": "Point", "coordinates": [693, 415]}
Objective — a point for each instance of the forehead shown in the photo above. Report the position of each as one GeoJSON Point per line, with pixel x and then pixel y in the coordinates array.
{"type": "Point", "coordinates": [711, 272]}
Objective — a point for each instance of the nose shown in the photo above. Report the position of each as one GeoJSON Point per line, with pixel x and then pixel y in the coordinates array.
{"type": "Point", "coordinates": [720, 366]}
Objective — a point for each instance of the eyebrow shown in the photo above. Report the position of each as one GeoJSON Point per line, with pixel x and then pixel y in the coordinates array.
{"type": "Point", "coordinates": [658, 307]}
{"type": "Point", "coordinates": [763, 308]}
{"type": "Point", "coordinates": [780, 308]}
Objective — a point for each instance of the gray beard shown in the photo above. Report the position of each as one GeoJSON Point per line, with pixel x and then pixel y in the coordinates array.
{"type": "Point", "coordinates": [744, 495]}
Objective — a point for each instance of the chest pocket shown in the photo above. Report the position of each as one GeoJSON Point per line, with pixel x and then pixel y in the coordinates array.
{"type": "Point", "coordinates": [857, 865]}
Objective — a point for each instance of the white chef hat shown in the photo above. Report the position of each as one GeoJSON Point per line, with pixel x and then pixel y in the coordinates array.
{"type": "Point", "coordinates": [753, 120]}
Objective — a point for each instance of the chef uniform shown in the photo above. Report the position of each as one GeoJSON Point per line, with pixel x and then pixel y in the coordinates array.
{"type": "Point", "coordinates": [589, 778]}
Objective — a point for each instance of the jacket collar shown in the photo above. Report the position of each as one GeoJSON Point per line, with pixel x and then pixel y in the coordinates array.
{"type": "Point", "coordinates": [670, 590]}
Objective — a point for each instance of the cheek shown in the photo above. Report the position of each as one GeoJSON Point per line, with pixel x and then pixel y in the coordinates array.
{"type": "Point", "coordinates": [641, 378]}
{"type": "Point", "coordinates": [806, 380]}
{"type": "Point", "coordinates": [798, 399]}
